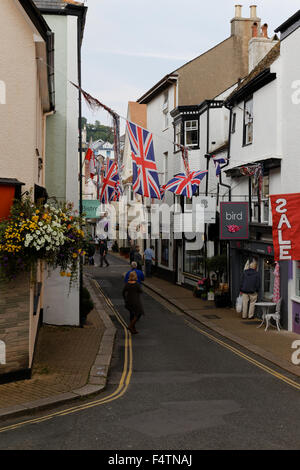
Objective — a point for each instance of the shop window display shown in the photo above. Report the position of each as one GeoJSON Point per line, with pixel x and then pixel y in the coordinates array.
{"type": "Point", "coordinates": [194, 262]}
{"type": "Point", "coordinates": [165, 252]}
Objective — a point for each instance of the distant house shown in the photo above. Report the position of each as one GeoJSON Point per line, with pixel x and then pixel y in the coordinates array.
{"type": "Point", "coordinates": [29, 99]}
{"type": "Point", "coordinates": [67, 20]}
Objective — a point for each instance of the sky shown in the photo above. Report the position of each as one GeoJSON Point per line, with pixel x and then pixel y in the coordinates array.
{"type": "Point", "coordinates": [129, 45]}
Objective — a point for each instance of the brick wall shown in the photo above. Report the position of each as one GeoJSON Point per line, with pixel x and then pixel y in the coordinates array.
{"type": "Point", "coordinates": [14, 323]}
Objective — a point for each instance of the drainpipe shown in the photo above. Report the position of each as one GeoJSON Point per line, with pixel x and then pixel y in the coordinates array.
{"type": "Point", "coordinates": [228, 154]}
{"type": "Point", "coordinates": [79, 26]}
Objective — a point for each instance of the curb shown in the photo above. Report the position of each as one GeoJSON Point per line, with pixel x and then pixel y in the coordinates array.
{"type": "Point", "coordinates": [98, 374]}
{"type": "Point", "coordinates": [283, 364]}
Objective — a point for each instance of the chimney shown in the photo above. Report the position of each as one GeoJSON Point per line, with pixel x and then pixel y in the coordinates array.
{"type": "Point", "coordinates": [254, 30]}
{"type": "Point", "coordinates": [238, 11]}
{"type": "Point", "coordinates": [253, 13]}
{"type": "Point", "coordinates": [264, 30]}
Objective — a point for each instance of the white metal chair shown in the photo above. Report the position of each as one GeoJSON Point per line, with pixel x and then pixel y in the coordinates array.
{"type": "Point", "coordinates": [275, 316]}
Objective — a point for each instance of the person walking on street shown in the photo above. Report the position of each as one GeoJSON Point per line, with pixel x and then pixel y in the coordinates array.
{"type": "Point", "coordinates": [138, 258]}
{"type": "Point", "coordinates": [132, 296]}
{"type": "Point", "coordinates": [131, 253]}
{"type": "Point", "coordinates": [139, 273]}
{"type": "Point", "coordinates": [249, 288]}
{"type": "Point", "coordinates": [149, 257]}
{"type": "Point", "coordinates": [103, 252]}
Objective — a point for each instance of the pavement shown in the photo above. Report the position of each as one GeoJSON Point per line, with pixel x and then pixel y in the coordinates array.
{"type": "Point", "coordinates": [272, 345]}
{"type": "Point", "coordinates": [70, 363]}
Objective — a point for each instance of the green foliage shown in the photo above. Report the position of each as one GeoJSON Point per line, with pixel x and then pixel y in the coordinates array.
{"type": "Point", "coordinates": [218, 264]}
{"type": "Point", "coordinates": [98, 131]}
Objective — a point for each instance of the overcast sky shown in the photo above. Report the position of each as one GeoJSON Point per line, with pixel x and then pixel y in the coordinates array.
{"type": "Point", "coordinates": [129, 45]}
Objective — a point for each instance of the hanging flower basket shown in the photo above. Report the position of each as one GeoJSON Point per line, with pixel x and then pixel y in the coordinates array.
{"type": "Point", "coordinates": [35, 232]}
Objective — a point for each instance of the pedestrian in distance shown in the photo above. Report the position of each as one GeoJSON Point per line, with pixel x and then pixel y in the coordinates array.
{"type": "Point", "coordinates": [149, 257]}
{"type": "Point", "coordinates": [138, 258]}
{"type": "Point", "coordinates": [132, 296]}
{"type": "Point", "coordinates": [103, 252]}
{"type": "Point", "coordinates": [91, 251]}
{"type": "Point", "coordinates": [249, 288]}
{"type": "Point", "coordinates": [132, 253]}
{"type": "Point", "coordinates": [139, 273]}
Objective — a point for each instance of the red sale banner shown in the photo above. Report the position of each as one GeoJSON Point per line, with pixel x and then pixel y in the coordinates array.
{"type": "Point", "coordinates": [286, 226]}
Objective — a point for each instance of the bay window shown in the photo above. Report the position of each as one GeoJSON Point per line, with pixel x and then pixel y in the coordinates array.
{"type": "Point", "coordinates": [191, 133]}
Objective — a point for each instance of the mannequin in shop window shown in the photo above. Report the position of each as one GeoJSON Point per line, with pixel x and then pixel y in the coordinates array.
{"type": "Point", "coordinates": [250, 284]}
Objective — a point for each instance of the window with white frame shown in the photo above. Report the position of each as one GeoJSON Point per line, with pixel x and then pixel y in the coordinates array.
{"type": "Point", "coordinates": [248, 122]}
{"type": "Point", "coordinates": [191, 133]}
{"type": "Point", "coordinates": [260, 214]}
{"type": "Point", "coordinates": [177, 135]}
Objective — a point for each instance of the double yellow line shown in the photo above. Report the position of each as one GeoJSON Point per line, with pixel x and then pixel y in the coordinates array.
{"type": "Point", "coordinates": [262, 366]}
{"type": "Point", "coordinates": [118, 393]}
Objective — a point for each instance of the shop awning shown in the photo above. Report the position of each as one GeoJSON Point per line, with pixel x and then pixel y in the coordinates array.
{"type": "Point", "coordinates": [269, 163]}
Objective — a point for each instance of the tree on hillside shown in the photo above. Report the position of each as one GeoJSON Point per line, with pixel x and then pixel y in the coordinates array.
{"type": "Point", "coordinates": [98, 131]}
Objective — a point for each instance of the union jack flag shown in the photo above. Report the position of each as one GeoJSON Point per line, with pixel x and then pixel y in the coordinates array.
{"type": "Point", "coordinates": [145, 177]}
{"type": "Point", "coordinates": [184, 185]}
{"type": "Point", "coordinates": [109, 182]}
{"type": "Point", "coordinates": [217, 161]}
{"type": "Point", "coordinates": [117, 192]}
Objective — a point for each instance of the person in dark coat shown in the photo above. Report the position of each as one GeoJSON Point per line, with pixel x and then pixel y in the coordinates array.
{"type": "Point", "coordinates": [132, 296]}
{"type": "Point", "coordinates": [138, 258]}
{"type": "Point", "coordinates": [131, 253]}
{"type": "Point", "coordinates": [91, 251]}
{"type": "Point", "coordinates": [250, 284]}
{"type": "Point", "coordinates": [103, 252]}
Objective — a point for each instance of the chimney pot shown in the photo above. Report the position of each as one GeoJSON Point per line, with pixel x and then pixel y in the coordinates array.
{"type": "Point", "coordinates": [264, 30]}
{"type": "Point", "coordinates": [254, 30]}
{"type": "Point", "coordinates": [253, 11]}
{"type": "Point", "coordinates": [238, 11]}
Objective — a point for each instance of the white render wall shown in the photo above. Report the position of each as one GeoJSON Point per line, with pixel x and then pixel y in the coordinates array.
{"type": "Point", "coordinates": [163, 142]}
{"type": "Point", "coordinates": [290, 168]}
{"type": "Point", "coordinates": [72, 156]}
{"type": "Point", "coordinates": [60, 307]}
{"type": "Point", "coordinates": [290, 93]}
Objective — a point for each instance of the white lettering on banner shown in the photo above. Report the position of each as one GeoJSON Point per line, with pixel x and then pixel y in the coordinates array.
{"type": "Point", "coordinates": [284, 245]}
{"type": "Point", "coordinates": [295, 356]}
{"type": "Point", "coordinates": [281, 203]}
{"type": "Point", "coordinates": [2, 352]}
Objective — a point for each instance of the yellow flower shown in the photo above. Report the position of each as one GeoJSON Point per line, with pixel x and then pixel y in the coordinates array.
{"type": "Point", "coordinates": [68, 274]}
{"type": "Point", "coordinates": [75, 255]}
{"type": "Point", "coordinates": [62, 273]}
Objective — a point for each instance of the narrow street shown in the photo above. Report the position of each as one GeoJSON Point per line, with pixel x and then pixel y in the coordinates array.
{"type": "Point", "coordinates": [186, 391]}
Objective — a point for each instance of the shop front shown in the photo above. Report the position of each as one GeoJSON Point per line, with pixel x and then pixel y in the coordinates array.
{"type": "Point", "coordinates": [263, 253]}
